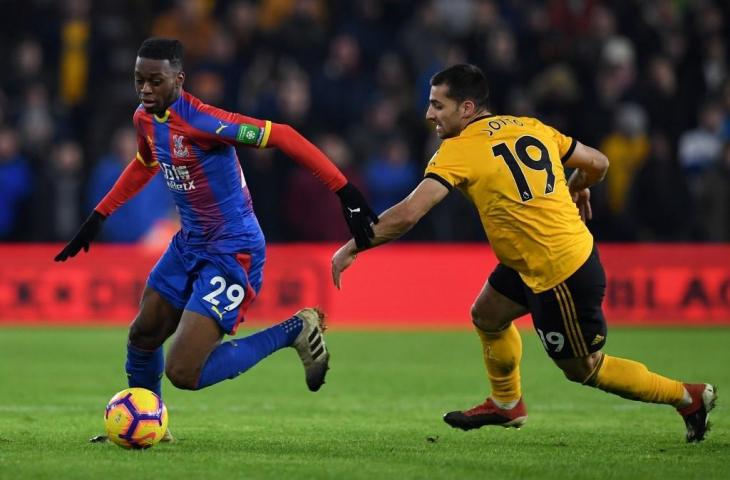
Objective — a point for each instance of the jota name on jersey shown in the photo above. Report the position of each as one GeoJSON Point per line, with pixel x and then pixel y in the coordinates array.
{"type": "Point", "coordinates": [498, 122]}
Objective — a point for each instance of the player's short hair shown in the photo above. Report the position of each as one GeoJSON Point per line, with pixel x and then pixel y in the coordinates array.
{"type": "Point", "coordinates": [465, 82]}
{"type": "Point", "coordinates": [158, 48]}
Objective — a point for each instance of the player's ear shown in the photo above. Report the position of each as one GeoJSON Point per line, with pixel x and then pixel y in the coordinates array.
{"type": "Point", "coordinates": [179, 78]}
{"type": "Point", "coordinates": [468, 108]}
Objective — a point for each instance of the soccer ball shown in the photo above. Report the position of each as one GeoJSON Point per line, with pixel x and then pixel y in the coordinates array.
{"type": "Point", "coordinates": [135, 418]}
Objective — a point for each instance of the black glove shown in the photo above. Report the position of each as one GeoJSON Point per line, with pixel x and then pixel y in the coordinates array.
{"type": "Point", "coordinates": [358, 214]}
{"type": "Point", "coordinates": [88, 231]}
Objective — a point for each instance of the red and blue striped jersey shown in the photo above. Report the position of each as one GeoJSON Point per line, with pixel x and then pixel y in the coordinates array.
{"type": "Point", "coordinates": [194, 146]}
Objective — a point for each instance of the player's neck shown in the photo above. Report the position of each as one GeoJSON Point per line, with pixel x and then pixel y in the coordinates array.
{"type": "Point", "coordinates": [174, 99]}
{"type": "Point", "coordinates": [476, 117]}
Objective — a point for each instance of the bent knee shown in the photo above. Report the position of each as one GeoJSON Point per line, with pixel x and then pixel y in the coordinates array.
{"type": "Point", "coordinates": [487, 323]}
{"type": "Point", "coordinates": [579, 369]}
{"type": "Point", "coordinates": [137, 334]}
{"type": "Point", "coordinates": [183, 378]}
{"type": "Point", "coordinates": [576, 375]}
{"type": "Point", "coordinates": [146, 338]}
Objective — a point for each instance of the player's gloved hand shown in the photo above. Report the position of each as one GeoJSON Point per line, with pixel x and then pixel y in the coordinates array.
{"type": "Point", "coordinates": [358, 214]}
{"type": "Point", "coordinates": [88, 231]}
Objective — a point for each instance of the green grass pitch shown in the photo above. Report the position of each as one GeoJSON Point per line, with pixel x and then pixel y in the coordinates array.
{"type": "Point", "coordinates": [378, 416]}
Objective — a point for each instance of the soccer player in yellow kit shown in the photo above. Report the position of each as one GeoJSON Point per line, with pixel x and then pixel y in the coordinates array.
{"type": "Point", "coordinates": [513, 171]}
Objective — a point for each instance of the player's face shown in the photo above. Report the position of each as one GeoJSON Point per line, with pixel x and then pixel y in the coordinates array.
{"type": "Point", "coordinates": [444, 112]}
{"type": "Point", "coordinates": [158, 84]}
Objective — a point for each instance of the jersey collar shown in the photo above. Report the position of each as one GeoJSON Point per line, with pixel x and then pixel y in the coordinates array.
{"type": "Point", "coordinates": [163, 118]}
{"type": "Point", "coordinates": [475, 120]}
{"type": "Point", "coordinates": [480, 117]}
{"type": "Point", "coordinates": [166, 116]}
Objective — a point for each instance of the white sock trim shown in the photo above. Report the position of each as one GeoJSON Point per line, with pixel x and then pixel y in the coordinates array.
{"type": "Point", "coordinates": [506, 405]}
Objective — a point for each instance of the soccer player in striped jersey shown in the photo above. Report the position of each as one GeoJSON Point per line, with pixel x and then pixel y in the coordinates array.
{"type": "Point", "coordinates": [513, 171]}
{"type": "Point", "coordinates": [212, 270]}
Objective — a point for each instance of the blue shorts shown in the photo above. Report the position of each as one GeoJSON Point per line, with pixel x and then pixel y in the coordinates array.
{"type": "Point", "coordinates": [216, 285]}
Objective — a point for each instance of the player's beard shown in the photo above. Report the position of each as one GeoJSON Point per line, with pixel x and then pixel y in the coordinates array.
{"type": "Point", "coordinates": [443, 133]}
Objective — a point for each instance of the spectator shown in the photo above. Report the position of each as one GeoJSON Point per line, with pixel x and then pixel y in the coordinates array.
{"type": "Point", "coordinates": [303, 34]}
{"type": "Point", "coordinates": [360, 71]}
{"type": "Point", "coordinates": [660, 97]}
{"type": "Point", "coordinates": [190, 22]}
{"type": "Point", "coordinates": [58, 200]}
{"type": "Point", "coordinates": [390, 174]}
{"type": "Point", "coordinates": [15, 187]}
{"type": "Point", "coordinates": [3, 107]}
{"type": "Point", "coordinates": [208, 85]}
{"type": "Point", "coordinates": [393, 81]}
{"type": "Point", "coordinates": [627, 147]}
{"type": "Point", "coordinates": [700, 148]}
{"type": "Point", "coordinates": [75, 45]}
{"type": "Point", "coordinates": [368, 23]}
{"type": "Point", "coordinates": [294, 99]}
{"type": "Point", "coordinates": [316, 219]}
{"type": "Point", "coordinates": [715, 200]}
{"type": "Point", "coordinates": [725, 132]}
{"type": "Point", "coordinates": [342, 88]}
{"type": "Point", "coordinates": [502, 65]}
{"type": "Point", "coordinates": [420, 36]}
{"type": "Point", "coordinates": [27, 66]}
{"type": "Point", "coordinates": [264, 171]}
{"type": "Point", "coordinates": [37, 125]}
{"type": "Point", "coordinates": [659, 199]}
{"type": "Point", "coordinates": [381, 124]}
{"type": "Point", "coordinates": [241, 19]}
{"type": "Point", "coordinates": [715, 65]}
{"type": "Point", "coordinates": [556, 94]}
{"type": "Point", "coordinates": [272, 13]}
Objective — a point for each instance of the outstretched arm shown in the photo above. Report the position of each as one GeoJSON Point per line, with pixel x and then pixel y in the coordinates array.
{"type": "Point", "coordinates": [216, 125]}
{"type": "Point", "coordinates": [590, 168]}
{"type": "Point", "coordinates": [131, 181]}
{"type": "Point", "coordinates": [302, 151]}
{"type": "Point", "coordinates": [355, 208]}
{"type": "Point", "coordinates": [394, 223]}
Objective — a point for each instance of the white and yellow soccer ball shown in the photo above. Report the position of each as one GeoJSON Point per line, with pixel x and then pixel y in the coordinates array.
{"type": "Point", "coordinates": [135, 418]}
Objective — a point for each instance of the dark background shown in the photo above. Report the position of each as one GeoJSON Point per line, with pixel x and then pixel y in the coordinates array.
{"type": "Point", "coordinates": [644, 81]}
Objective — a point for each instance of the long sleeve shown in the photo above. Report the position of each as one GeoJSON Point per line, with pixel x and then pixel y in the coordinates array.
{"type": "Point", "coordinates": [215, 126]}
{"type": "Point", "coordinates": [131, 181]}
{"type": "Point", "coordinates": [298, 148]}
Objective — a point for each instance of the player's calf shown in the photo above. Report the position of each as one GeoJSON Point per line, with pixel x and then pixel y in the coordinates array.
{"type": "Point", "coordinates": [580, 369]}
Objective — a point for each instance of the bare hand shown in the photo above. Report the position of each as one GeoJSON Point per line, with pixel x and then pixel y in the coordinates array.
{"type": "Point", "coordinates": [582, 199]}
{"type": "Point", "coordinates": [341, 260]}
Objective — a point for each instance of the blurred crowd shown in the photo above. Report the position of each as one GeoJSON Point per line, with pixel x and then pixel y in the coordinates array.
{"type": "Point", "coordinates": [647, 82]}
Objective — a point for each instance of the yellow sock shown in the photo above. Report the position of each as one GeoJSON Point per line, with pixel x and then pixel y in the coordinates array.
{"type": "Point", "coordinates": [502, 355]}
{"type": "Point", "coordinates": [632, 380]}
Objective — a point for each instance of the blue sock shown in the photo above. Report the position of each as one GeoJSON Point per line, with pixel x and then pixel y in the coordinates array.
{"type": "Point", "coordinates": [144, 368]}
{"type": "Point", "coordinates": [230, 359]}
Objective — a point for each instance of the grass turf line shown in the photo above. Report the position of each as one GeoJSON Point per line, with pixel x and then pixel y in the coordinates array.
{"type": "Point", "coordinates": [378, 416]}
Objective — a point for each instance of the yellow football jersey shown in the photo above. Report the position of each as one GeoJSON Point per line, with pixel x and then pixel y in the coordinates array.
{"type": "Point", "coordinates": [511, 169]}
